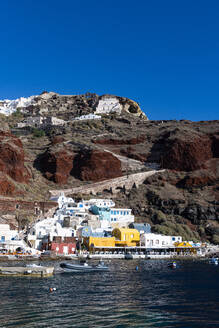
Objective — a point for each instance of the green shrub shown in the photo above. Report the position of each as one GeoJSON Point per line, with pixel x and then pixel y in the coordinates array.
{"type": "Point", "coordinates": [37, 133]}
{"type": "Point", "coordinates": [215, 239]}
{"type": "Point", "coordinates": [160, 217]}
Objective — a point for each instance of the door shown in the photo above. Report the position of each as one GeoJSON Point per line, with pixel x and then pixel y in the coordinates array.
{"type": "Point", "coordinates": [65, 250]}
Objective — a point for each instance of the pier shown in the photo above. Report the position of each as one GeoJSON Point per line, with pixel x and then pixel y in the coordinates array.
{"type": "Point", "coordinates": [38, 271]}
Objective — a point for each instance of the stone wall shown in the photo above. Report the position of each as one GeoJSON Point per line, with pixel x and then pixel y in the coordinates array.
{"type": "Point", "coordinates": [113, 185]}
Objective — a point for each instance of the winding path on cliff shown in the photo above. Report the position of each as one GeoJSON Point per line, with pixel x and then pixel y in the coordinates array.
{"type": "Point", "coordinates": [125, 182]}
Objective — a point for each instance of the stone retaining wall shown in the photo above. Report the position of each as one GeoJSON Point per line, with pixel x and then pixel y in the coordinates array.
{"type": "Point", "coordinates": [113, 185]}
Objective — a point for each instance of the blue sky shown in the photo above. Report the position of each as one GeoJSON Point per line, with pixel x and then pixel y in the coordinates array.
{"type": "Point", "coordinates": [163, 54]}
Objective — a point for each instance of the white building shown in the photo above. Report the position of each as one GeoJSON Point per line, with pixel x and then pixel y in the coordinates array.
{"type": "Point", "coordinates": [100, 202]}
{"type": "Point", "coordinates": [52, 227]}
{"type": "Point", "coordinates": [52, 120]}
{"type": "Point", "coordinates": [6, 233]}
{"type": "Point", "coordinates": [71, 208]}
{"type": "Point", "coordinates": [62, 199]}
{"type": "Point", "coordinates": [152, 240]}
{"type": "Point", "coordinates": [87, 117]}
{"type": "Point", "coordinates": [108, 105]}
{"type": "Point", "coordinates": [69, 203]}
{"type": "Point", "coordinates": [41, 121]}
{"type": "Point", "coordinates": [121, 217]}
{"type": "Point", "coordinates": [10, 241]}
{"type": "Point", "coordinates": [7, 107]}
{"type": "Point", "coordinates": [35, 121]}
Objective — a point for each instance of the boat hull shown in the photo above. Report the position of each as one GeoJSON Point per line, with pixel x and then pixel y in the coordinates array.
{"type": "Point", "coordinates": [67, 267]}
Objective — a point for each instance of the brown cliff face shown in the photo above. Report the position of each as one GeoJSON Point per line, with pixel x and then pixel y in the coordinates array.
{"type": "Point", "coordinates": [6, 186]}
{"type": "Point", "coordinates": [12, 158]}
{"type": "Point", "coordinates": [188, 153]}
{"type": "Point", "coordinates": [91, 165]}
{"type": "Point", "coordinates": [57, 165]}
{"type": "Point", "coordinates": [97, 165]}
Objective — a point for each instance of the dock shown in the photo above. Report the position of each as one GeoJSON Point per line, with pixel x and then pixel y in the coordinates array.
{"type": "Point", "coordinates": [36, 271]}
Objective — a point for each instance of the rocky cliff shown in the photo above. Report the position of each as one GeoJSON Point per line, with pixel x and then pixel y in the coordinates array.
{"type": "Point", "coordinates": [181, 200]}
{"type": "Point", "coordinates": [12, 168]}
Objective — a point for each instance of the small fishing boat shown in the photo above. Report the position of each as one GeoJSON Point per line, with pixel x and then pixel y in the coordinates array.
{"type": "Point", "coordinates": [214, 260]}
{"type": "Point", "coordinates": [83, 267]}
{"type": "Point", "coordinates": [172, 265]}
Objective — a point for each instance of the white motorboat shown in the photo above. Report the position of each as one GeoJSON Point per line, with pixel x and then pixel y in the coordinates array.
{"type": "Point", "coordinates": [83, 267]}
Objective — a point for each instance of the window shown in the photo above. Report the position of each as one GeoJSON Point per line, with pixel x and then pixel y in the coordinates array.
{"type": "Point", "coordinates": [114, 213]}
{"type": "Point", "coordinates": [114, 219]}
{"type": "Point", "coordinates": [132, 236]}
{"type": "Point", "coordinates": [157, 241]}
{"type": "Point", "coordinates": [117, 212]}
{"type": "Point", "coordinates": [111, 212]}
{"type": "Point", "coordinates": [173, 238]}
{"type": "Point", "coordinates": [3, 238]}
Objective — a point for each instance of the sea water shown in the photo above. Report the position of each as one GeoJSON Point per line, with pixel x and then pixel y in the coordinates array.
{"type": "Point", "coordinates": [144, 293]}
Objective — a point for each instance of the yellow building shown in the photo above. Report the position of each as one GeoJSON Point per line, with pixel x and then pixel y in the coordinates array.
{"type": "Point", "coordinates": [126, 237]}
{"type": "Point", "coordinates": [92, 242]}
{"type": "Point", "coordinates": [185, 246]}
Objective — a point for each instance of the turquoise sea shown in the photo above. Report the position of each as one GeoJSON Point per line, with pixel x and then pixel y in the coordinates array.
{"type": "Point", "coordinates": [152, 296]}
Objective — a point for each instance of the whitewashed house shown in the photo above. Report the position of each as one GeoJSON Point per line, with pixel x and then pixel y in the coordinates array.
{"type": "Point", "coordinates": [6, 233]}
{"type": "Point", "coordinates": [152, 240]}
{"type": "Point", "coordinates": [100, 202]}
{"type": "Point", "coordinates": [52, 227]}
{"type": "Point", "coordinates": [121, 217]}
{"type": "Point", "coordinates": [87, 117]}
{"type": "Point", "coordinates": [62, 199]}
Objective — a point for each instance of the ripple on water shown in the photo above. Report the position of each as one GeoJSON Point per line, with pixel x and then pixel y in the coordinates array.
{"type": "Point", "coordinates": [153, 296]}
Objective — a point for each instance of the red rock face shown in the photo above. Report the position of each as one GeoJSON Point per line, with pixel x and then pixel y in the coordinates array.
{"type": "Point", "coordinates": [12, 158]}
{"type": "Point", "coordinates": [7, 188]}
{"type": "Point", "coordinates": [58, 165]}
{"type": "Point", "coordinates": [88, 166]}
{"type": "Point", "coordinates": [187, 154]}
{"type": "Point", "coordinates": [97, 166]}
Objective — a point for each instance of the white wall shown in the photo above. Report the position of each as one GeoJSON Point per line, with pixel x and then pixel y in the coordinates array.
{"type": "Point", "coordinates": [152, 240]}
{"type": "Point", "coordinates": [6, 233]}
{"type": "Point", "coordinates": [108, 105]}
{"type": "Point", "coordinates": [121, 216]}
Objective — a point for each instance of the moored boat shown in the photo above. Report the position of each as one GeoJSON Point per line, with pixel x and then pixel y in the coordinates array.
{"type": "Point", "coordinates": [83, 267]}
{"type": "Point", "coordinates": [214, 260]}
{"type": "Point", "coordinates": [172, 265]}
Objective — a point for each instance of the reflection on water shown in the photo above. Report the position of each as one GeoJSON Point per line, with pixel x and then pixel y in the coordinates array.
{"type": "Point", "coordinates": [153, 296]}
